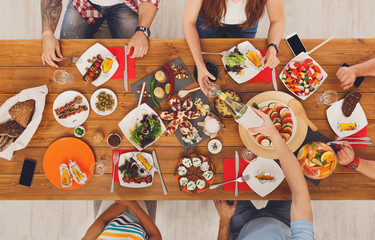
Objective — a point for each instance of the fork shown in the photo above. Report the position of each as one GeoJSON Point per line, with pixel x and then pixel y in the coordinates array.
{"type": "Point", "coordinates": [223, 53]}
{"type": "Point", "coordinates": [353, 138]}
{"type": "Point", "coordinates": [240, 180]}
{"type": "Point", "coordinates": [342, 142]}
{"type": "Point", "coordinates": [115, 161]}
{"type": "Point", "coordinates": [73, 59]}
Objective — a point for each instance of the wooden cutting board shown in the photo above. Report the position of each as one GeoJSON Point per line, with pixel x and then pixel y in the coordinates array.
{"type": "Point", "coordinates": [293, 144]}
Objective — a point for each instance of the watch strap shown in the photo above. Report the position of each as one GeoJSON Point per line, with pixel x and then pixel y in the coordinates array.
{"type": "Point", "coordinates": [273, 45]}
{"type": "Point", "coordinates": [353, 165]}
{"type": "Point", "coordinates": [145, 30]}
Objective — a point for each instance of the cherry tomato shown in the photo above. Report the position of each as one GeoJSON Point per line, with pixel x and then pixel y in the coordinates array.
{"type": "Point", "coordinates": [97, 64]}
{"type": "Point", "coordinates": [308, 60]}
{"type": "Point", "coordinates": [91, 74]}
{"type": "Point", "coordinates": [143, 179]}
{"type": "Point", "coordinates": [131, 179]}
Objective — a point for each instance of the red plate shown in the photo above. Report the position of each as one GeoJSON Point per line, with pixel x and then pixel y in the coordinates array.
{"type": "Point", "coordinates": [63, 150]}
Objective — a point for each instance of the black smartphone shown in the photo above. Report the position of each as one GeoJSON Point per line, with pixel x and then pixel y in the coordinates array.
{"type": "Point", "coordinates": [27, 173]}
{"type": "Point", "coordinates": [358, 81]}
{"type": "Point", "coordinates": [295, 44]}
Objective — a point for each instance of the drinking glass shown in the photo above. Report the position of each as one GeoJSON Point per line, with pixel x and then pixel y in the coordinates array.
{"type": "Point", "coordinates": [247, 154]}
{"type": "Point", "coordinates": [63, 77]}
{"type": "Point", "coordinates": [211, 90]}
{"type": "Point", "coordinates": [99, 167]}
{"type": "Point", "coordinates": [328, 98]}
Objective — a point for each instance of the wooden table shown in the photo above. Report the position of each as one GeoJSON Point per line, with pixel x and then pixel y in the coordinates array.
{"type": "Point", "coordinates": [21, 67]}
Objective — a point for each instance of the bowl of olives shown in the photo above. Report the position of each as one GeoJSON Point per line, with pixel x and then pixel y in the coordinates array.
{"type": "Point", "coordinates": [103, 101]}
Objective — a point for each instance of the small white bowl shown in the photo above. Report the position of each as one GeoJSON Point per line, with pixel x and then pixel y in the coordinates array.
{"type": "Point", "coordinates": [211, 145]}
{"type": "Point", "coordinates": [116, 135]}
{"type": "Point", "coordinates": [79, 127]}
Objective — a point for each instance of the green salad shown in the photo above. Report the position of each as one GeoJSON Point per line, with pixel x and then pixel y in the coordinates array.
{"type": "Point", "coordinates": [235, 61]}
{"type": "Point", "coordinates": [147, 131]}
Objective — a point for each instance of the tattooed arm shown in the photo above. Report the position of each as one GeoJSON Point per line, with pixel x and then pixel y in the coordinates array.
{"type": "Point", "coordinates": [51, 10]}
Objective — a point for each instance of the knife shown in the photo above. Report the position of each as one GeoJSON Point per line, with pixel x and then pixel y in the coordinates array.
{"type": "Point", "coordinates": [237, 166]}
{"type": "Point", "coordinates": [156, 163]}
{"type": "Point", "coordinates": [126, 70]}
{"type": "Point", "coordinates": [274, 80]}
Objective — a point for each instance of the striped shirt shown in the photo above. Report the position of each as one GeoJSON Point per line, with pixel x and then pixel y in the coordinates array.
{"type": "Point", "coordinates": [91, 15]}
{"type": "Point", "coordinates": [124, 227]}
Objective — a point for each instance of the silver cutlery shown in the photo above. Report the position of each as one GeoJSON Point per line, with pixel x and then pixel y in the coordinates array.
{"type": "Point", "coordinates": [274, 79]}
{"type": "Point", "coordinates": [237, 166]}
{"type": "Point", "coordinates": [73, 59]}
{"type": "Point", "coordinates": [342, 142]}
{"type": "Point", "coordinates": [126, 70]}
{"type": "Point", "coordinates": [238, 180]}
{"type": "Point", "coordinates": [157, 168]}
{"type": "Point", "coordinates": [223, 53]}
{"type": "Point", "coordinates": [116, 156]}
{"type": "Point", "coordinates": [353, 138]}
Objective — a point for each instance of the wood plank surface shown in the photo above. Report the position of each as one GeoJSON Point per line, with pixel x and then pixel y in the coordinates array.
{"type": "Point", "coordinates": [21, 68]}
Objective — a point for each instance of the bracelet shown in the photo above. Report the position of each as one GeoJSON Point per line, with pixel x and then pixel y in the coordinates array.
{"type": "Point", "coordinates": [273, 45]}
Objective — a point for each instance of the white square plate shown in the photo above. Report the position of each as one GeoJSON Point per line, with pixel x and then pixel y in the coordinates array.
{"type": "Point", "coordinates": [94, 50]}
{"type": "Point", "coordinates": [265, 165]}
{"type": "Point", "coordinates": [250, 71]}
{"type": "Point", "coordinates": [335, 117]}
{"type": "Point", "coordinates": [128, 123]}
{"type": "Point", "coordinates": [128, 155]}
{"type": "Point", "coordinates": [302, 57]}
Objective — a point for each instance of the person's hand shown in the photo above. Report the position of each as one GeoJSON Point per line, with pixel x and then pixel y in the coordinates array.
{"type": "Point", "coordinates": [203, 79]}
{"type": "Point", "coordinates": [346, 154]}
{"type": "Point", "coordinates": [139, 42]}
{"type": "Point", "coordinates": [51, 50]}
{"type": "Point", "coordinates": [267, 129]}
{"type": "Point", "coordinates": [270, 60]}
{"type": "Point", "coordinates": [224, 209]}
{"type": "Point", "coordinates": [347, 76]}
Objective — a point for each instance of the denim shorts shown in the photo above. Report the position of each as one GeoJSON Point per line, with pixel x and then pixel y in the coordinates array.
{"type": "Point", "coordinates": [225, 31]}
{"type": "Point", "coordinates": [121, 20]}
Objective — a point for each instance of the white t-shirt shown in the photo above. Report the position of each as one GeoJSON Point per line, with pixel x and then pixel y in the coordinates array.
{"type": "Point", "coordinates": [235, 14]}
{"type": "Point", "coordinates": [106, 3]}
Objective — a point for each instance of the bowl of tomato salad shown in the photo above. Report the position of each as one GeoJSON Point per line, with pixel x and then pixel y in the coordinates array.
{"type": "Point", "coordinates": [302, 76]}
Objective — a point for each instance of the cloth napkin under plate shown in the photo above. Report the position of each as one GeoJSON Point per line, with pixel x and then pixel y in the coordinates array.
{"type": "Point", "coordinates": [265, 75]}
{"type": "Point", "coordinates": [39, 95]}
{"type": "Point", "coordinates": [120, 57]}
{"type": "Point", "coordinates": [230, 174]}
{"type": "Point", "coordinates": [114, 168]}
{"type": "Point", "coordinates": [361, 133]}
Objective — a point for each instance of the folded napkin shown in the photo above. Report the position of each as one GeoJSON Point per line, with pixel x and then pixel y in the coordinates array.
{"type": "Point", "coordinates": [265, 75]}
{"type": "Point", "coordinates": [115, 168]}
{"type": "Point", "coordinates": [120, 57]}
{"type": "Point", "coordinates": [39, 95]}
{"type": "Point", "coordinates": [361, 133]}
{"type": "Point", "coordinates": [230, 174]}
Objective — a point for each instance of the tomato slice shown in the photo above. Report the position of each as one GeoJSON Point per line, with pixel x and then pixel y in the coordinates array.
{"type": "Point", "coordinates": [308, 60]}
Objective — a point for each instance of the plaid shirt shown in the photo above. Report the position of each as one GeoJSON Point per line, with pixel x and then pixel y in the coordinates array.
{"type": "Point", "coordinates": [90, 14]}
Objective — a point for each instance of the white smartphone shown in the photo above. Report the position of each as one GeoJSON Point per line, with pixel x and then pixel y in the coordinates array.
{"type": "Point", "coordinates": [295, 44]}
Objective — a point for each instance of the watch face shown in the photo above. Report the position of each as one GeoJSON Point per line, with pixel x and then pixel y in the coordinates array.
{"type": "Point", "coordinates": [353, 166]}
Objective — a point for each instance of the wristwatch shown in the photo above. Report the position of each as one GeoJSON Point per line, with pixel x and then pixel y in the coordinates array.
{"type": "Point", "coordinates": [145, 30]}
{"type": "Point", "coordinates": [273, 45]}
{"type": "Point", "coordinates": [353, 165]}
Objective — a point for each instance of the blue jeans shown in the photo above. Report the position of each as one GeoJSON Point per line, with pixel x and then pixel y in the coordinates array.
{"type": "Point", "coordinates": [226, 31]}
{"type": "Point", "coordinates": [121, 20]}
{"type": "Point", "coordinates": [246, 212]}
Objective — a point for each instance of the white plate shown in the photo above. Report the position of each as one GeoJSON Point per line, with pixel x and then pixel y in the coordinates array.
{"type": "Point", "coordinates": [301, 57]}
{"type": "Point", "coordinates": [294, 129]}
{"type": "Point", "coordinates": [335, 117]}
{"type": "Point", "coordinates": [265, 165]}
{"type": "Point", "coordinates": [94, 100]}
{"type": "Point", "coordinates": [128, 123]}
{"type": "Point", "coordinates": [94, 50]}
{"type": "Point", "coordinates": [250, 71]}
{"type": "Point", "coordinates": [128, 155]}
{"type": "Point", "coordinates": [76, 119]}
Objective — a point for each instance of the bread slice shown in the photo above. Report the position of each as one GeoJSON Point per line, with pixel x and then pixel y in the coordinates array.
{"type": "Point", "coordinates": [22, 112]}
{"type": "Point", "coordinates": [7, 144]}
{"type": "Point", "coordinates": [11, 129]}
{"type": "Point", "coordinates": [350, 102]}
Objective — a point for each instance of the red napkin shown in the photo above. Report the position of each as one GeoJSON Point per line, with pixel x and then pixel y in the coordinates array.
{"type": "Point", "coordinates": [120, 57]}
{"type": "Point", "coordinates": [265, 75]}
{"type": "Point", "coordinates": [361, 133]}
{"type": "Point", "coordinates": [114, 168]}
{"type": "Point", "coordinates": [230, 174]}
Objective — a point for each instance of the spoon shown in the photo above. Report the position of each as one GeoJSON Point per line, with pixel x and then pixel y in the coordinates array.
{"type": "Point", "coordinates": [298, 110]}
{"type": "Point", "coordinates": [183, 93]}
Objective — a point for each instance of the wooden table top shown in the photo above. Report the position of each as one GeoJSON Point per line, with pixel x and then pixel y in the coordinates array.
{"type": "Point", "coordinates": [21, 67]}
